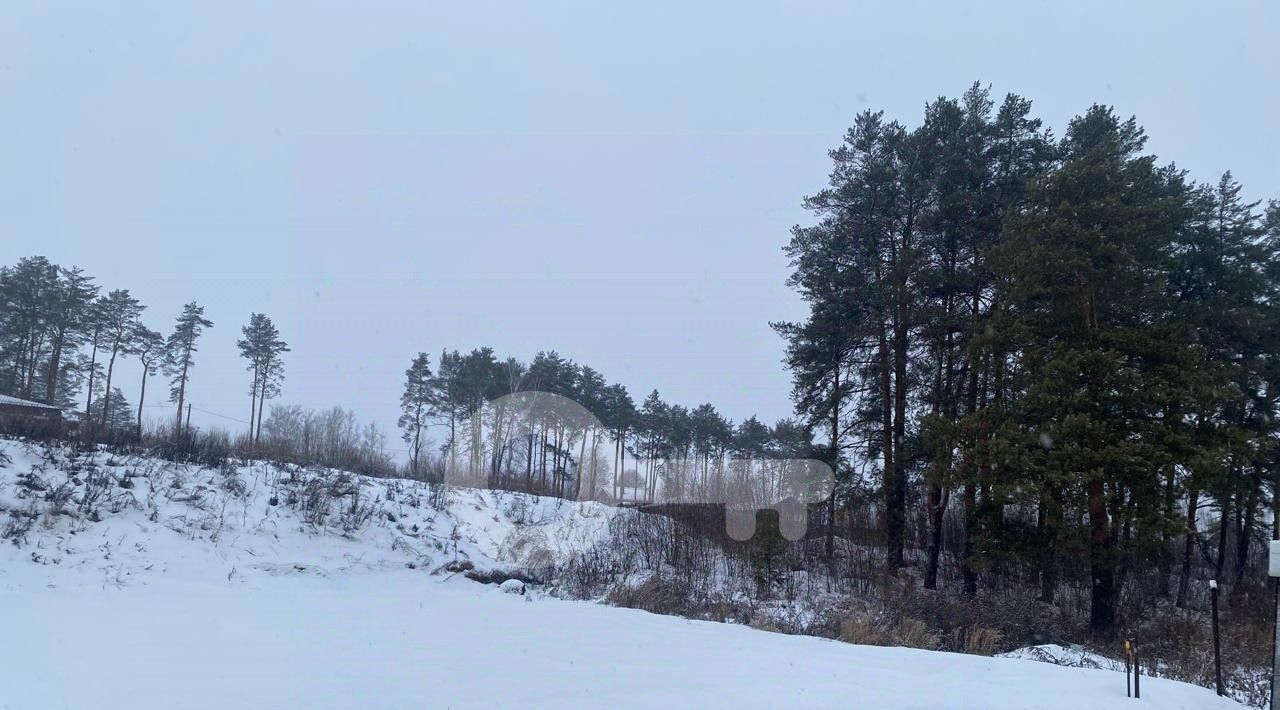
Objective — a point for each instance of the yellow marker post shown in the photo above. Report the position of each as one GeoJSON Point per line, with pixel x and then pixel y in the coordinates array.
{"type": "Point", "coordinates": [1127, 656]}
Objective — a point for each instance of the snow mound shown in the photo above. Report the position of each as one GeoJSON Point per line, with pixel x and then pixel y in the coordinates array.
{"type": "Point", "coordinates": [1072, 656]}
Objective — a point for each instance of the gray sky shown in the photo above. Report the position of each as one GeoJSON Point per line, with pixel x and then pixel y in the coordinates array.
{"type": "Point", "coordinates": [611, 180]}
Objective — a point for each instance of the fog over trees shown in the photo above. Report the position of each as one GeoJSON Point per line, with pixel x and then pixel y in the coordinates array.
{"type": "Point", "coordinates": [1039, 362]}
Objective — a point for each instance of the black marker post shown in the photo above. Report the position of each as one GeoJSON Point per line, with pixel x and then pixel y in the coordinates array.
{"type": "Point", "coordinates": [1217, 643]}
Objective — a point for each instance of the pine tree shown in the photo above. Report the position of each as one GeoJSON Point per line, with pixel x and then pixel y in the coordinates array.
{"type": "Point", "coordinates": [28, 289]}
{"type": "Point", "coordinates": [451, 398]}
{"type": "Point", "coordinates": [69, 315]}
{"type": "Point", "coordinates": [618, 413]}
{"type": "Point", "coordinates": [822, 351]}
{"type": "Point", "coordinates": [148, 346]}
{"type": "Point", "coordinates": [180, 354]}
{"type": "Point", "coordinates": [860, 266]}
{"type": "Point", "coordinates": [119, 313]}
{"type": "Point", "coordinates": [417, 403]}
{"type": "Point", "coordinates": [590, 392]}
{"type": "Point", "coordinates": [968, 279]}
{"type": "Point", "coordinates": [112, 411]}
{"type": "Point", "coordinates": [479, 382]}
{"type": "Point", "coordinates": [651, 426]}
{"type": "Point", "coordinates": [44, 318]}
{"type": "Point", "coordinates": [92, 368]}
{"type": "Point", "coordinates": [262, 347]}
{"type": "Point", "coordinates": [1085, 297]}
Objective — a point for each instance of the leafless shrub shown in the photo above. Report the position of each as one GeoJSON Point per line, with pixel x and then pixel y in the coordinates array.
{"type": "Point", "coordinates": [19, 524]}
{"type": "Point", "coordinates": [314, 502]}
{"type": "Point", "coordinates": [358, 514]}
{"type": "Point", "coordinates": [232, 482]}
{"type": "Point", "coordinates": [1012, 620]}
{"type": "Point", "coordinates": [97, 483]}
{"type": "Point", "coordinates": [1179, 645]}
{"type": "Point", "coordinates": [498, 576]}
{"type": "Point", "coordinates": [333, 438]}
{"type": "Point", "coordinates": [58, 496]}
{"type": "Point", "coordinates": [657, 594]}
{"type": "Point", "coordinates": [914, 633]}
{"type": "Point", "coordinates": [212, 448]}
{"type": "Point", "coordinates": [30, 483]}
{"type": "Point", "coordinates": [861, 628]}
{"type": "Point", "coordinates": [978, 640]}
{"type": "Point", "coordinates": [341, 484]}
{"type": "Point", "coordinates": [762, 622]}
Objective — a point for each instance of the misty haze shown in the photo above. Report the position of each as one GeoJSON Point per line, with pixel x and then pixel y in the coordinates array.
{"type": "Point", "coordinates": [569, 355]}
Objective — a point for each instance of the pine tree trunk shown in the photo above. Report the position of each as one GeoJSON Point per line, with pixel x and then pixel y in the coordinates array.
{"type": "Point", "coordinates": [253, 404]}
{"type": "Point", "coordinates": [886, 424]}
{"type": "Point", "coordinates": [262, 400]}
{"type": "Point", "coordinates": [1224, 530]}
{"type": "Point", "coordinates": [142, 398]}
{"type": "Point", "coordinates": [453, 442]}
{"type": "Point", "coordinates": [1102, 571]}
{"type": "Point", "coordinates": [1170, 501]}
{"type": "Point", "coordinates": [55, 364]}
{"type": "Point", "coordinates": [528, 469]}
{"type": "Point", "coordinates": [182, 390]}
{"type": "Point", "coordinates": [968, 570]}
{"type": "Point", "coordinates": [582, 452]}
{"type": "Point", "coordinates": [88, 403]}
{"type": "Point", "coordinates": [417, 441]}
{"type": "Point", "coordinates": [1188, 547]}
{"type": "Point", "coordinates": [897, 503]}
{"type": "Point", "coordinates": [968, 562]}
{"type": "Point", "coordinates": [1051, 508]}
{"type": "Point", "coordinates": [542, 463]}
{"type": "Point", "coordinates": [1245, 532]}
{"type": "Point", "coordinates": [106, 394]}
{"type": "Point", "coordinates": [937, 504]}
{"type": "Point", "coordinates": [496, 444]}
{"type": "Point", "coordinates": [595, 442]}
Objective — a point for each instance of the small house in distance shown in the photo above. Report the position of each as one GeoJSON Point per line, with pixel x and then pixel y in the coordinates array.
{"type": "Point", "coordinates": [27, 417]}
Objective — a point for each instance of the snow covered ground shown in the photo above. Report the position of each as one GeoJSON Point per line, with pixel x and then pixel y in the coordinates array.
{"type": "Point", "coordinates": [193, 591]}
{"type": "Point", "coordinates": [403, 639]}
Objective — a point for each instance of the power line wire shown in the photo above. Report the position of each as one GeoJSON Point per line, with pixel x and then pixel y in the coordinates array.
{"type": "Point", "coordinates": [241, 421]}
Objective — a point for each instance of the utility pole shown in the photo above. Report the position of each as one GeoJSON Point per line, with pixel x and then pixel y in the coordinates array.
{"type": "Point", "coordinates": [1274, 571]}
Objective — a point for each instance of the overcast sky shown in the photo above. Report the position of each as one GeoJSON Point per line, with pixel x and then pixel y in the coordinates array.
{"type": "Point", "coordinates": [612, 180]}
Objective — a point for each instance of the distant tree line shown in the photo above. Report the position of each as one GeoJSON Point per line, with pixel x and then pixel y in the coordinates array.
{"type": "Point", "coordinates": [335, 438]}
{"type": "Point", "coordinates": [61, 340]}
{"type": "Point", "coordinates": [1072, 345]}
{"type": "Point", "coordinates": [613, 450]}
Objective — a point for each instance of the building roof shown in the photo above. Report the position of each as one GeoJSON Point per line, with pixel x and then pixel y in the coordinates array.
{"type": "Point", "coordinates": [6, 400]}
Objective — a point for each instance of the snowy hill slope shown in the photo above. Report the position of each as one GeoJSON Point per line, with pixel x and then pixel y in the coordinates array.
{"type": "Point", "coordinates": [167, 586]}
{"type": "Point", "coordinates": [123, 520]}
